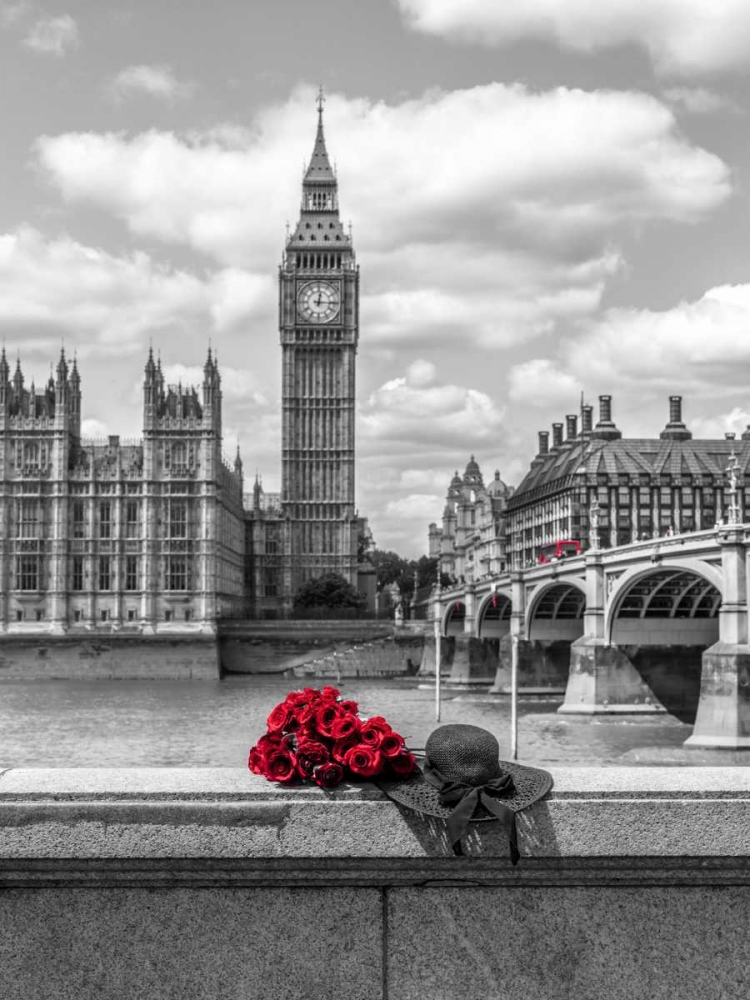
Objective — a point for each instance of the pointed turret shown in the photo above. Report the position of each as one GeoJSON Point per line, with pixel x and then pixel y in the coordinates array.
{"type": "Point", "coordinates": [238, 461]}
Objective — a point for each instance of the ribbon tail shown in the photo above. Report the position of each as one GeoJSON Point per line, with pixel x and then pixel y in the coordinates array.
{"type": "Point", "coordinates": [458, 821]}
{"type": "Point", "coordinates": [507, 818]}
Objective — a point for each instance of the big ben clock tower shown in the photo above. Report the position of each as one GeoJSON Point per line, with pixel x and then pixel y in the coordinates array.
{"type": "Point", "coordinates": [318, 323]}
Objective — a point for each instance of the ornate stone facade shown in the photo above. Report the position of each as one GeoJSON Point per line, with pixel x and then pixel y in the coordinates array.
{"type": "Point", "coordinates": [472, 543]}
{"type": "Point", "coordinates": [110, 535]}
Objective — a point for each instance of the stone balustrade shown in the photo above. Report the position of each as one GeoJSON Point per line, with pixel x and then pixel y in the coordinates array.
{"type": "Point", "coordinates": [212, 883]}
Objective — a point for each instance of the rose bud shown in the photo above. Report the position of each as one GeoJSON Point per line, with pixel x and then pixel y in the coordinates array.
{"type": "Point", "coordinates": [279, 718]}
{"type": "Point", "coordinates": [328, 775]}
{"type": "Point", "coordinates": [281, 766]}
{"type": "Point", "coordinates": [344, 727]}
{"type": "Point", "coordinates": [364, 761]}
{"type": "Point", "coordinates": [391, 744]}
{"type": "Point", "coordinates": [294, 698]}
{"type": "Point", "coordinates": [349, 706]}
{"type": "Point", "coordinates": [330, 693]}
{"type": "Point", "coordinates": [372, 730]}
{"type": "Point", "coordinates": [404, 765]}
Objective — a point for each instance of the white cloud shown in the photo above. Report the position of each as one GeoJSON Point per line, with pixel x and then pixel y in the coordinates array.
{"type": "Point", "coordinates": [696, 344]}
{"type": "Point", "coordinates": [682, 37]}
{"type": "Point", "coordinates": [154, 81]}
{"type": "Point", "coordinates": [541, 382]}
{"type": "Point", "coordinates": [107, 303]}
{"type": "Point", "coordinates": [736, 421]}
{"type": "Point", "coordinates": [700, 100]}
{"type": "Point", "coordinates": [508, 212]}
{"type": "Point", "coordinates": [409, 412]}
{"type": "Point", "coordinates": [53, 35]}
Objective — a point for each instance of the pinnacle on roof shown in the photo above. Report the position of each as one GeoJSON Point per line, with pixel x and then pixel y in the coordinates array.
{"type": "Point", "coordinates": [319, 169]}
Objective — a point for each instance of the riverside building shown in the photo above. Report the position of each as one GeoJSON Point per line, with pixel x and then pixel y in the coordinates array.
{"type": "Point", "coordinates": [632, 489]}
{"type": "Point", "coordinates": [156, 535]}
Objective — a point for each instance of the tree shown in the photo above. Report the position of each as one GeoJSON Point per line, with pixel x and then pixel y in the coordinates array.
{"type": "Point", "coordinates": [330, 592]}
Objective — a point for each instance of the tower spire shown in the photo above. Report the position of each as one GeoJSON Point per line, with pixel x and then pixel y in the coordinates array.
{"type": "Point", "coordinates": [319, 169]}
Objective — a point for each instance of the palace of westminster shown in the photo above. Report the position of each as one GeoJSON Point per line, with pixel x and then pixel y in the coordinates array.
{"type": "Point", "coordinates": [158, 535]}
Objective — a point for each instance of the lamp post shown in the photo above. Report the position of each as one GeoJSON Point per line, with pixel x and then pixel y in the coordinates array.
{"type": "Point", "coordinates": [514, 697]}
{"type": "Point", "coordinates": [438, 630]}
{"type": "Point", "coordinates": [732, 472]}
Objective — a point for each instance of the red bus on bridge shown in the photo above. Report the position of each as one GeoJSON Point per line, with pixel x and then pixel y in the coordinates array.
{"type": "Point", "coordinates": [560, 549]}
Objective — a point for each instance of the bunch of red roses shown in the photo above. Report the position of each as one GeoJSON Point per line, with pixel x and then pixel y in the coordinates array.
{"type": "Point", "coordinates": [319, 735]}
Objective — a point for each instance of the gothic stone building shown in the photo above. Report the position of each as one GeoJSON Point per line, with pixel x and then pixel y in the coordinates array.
{"type": "Point", "coordinates": [144, 536]}
{"type": "Point", "coordinates": [156, 534]}
{"type": "Point", "coordinates": [312, 526]}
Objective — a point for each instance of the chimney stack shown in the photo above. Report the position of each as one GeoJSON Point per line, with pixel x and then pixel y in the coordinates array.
{"type": "Point", "coordinates": [571, 430]}
{"type": "Point", "coordinates": [675, 429]}
{"type": "Point", "coordinates": [543, 442]}
{"type": "Point", "coordinates": [587, 412]}
{"type": "Point", "coordinates": [557, 435]}
{"type": "Point", "coordinates": [605, 430]}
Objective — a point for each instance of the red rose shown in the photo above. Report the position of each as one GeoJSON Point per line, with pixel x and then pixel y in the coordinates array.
{"type": "Point", "coordinates": [391, 744]}
{"type": "Point", "coordinates": [256, 761]}
{"type": "Point", "coordinates": [328, 775]}
{"type": "Point", "coordinates": [363, 761]}
{"type": "Point", "coordinates": [295, 698]}
{"type": "Point", "coordinates": [344, 726]}
{"type": "Point", "coordinates": [281, 766]}
{"type": "Point", "coordinates": [330, 693]}
{"type": "Point", "coordinates": [279, 718]}
{"type": "Point", "coordinates": [403, 765]}
{"type": "Point", "coordinates": [342, 747]}
{"type": "Point", "coordinates": [325, 717]}
{"type": "Point", "coordinates": [310, 755]}
{"type": "Point", "coordinates": [349, 706]}
{"type": "Point", "coordinates": [373, 729]}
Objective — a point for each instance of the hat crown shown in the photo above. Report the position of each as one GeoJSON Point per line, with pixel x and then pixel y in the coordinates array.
{"type": "Point", "coordinates": [464, 753]}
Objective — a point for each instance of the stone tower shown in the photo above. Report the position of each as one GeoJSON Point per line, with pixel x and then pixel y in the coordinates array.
{"type": "Point", "coordinates": [318, 323]}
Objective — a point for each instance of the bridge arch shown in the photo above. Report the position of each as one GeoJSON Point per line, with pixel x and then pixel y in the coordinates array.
{"type": "Point", "coordinates": [662, 619]}
{"type": "Point", "coordinates": [666, 590]}
{"type": "Point", "coordinates": [454, 618]}
{"type": "Point", "coordinates": [555, 611]}
{"type": "Point", "coordinates": [493, 616]}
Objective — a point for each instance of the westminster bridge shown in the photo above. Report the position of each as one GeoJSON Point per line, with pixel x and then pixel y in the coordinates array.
{"type": "Point", "coordinates": [651, 626]}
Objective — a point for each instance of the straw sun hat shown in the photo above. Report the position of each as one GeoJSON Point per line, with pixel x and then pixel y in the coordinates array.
{"type": "Point", "coordinates": [463, 781]}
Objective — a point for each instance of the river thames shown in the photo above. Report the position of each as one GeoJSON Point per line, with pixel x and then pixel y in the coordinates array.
{"type": "Point", "coordinates": [213, 724]}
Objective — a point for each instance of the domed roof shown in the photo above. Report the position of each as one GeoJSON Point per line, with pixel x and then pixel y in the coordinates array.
{"type": "Point", "coordinates": [497, 487]}
{"type": "Point", "coordinates": [456, 481]}
{"type": "Point", "coordinates": [473, 473]}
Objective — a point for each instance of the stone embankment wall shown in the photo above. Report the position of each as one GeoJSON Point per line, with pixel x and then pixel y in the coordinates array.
{"type": "Point", "coordinates": [214, 884]}
{"type": "Point", "coordinates": [117, 657]}
{"type": "Point", "coordinates": [320, 649]}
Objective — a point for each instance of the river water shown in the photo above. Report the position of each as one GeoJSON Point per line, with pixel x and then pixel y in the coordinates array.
{"type": "Point", "coordinates": [213, 723]}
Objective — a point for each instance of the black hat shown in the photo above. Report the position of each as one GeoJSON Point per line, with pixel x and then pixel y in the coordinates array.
{"type": "Point", "coordinates": [463, 781]}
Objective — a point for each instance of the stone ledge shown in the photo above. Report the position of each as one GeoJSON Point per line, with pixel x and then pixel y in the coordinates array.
{"type": "Point", "coordinates": [228, 815]}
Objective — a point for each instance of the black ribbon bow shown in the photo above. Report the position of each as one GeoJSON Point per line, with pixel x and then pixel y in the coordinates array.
{"type": "Point", "coordinates": [466, 797]}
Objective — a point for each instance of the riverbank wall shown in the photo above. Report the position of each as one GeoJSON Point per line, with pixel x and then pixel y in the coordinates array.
{"type": "Point", "coordinates": [109, 657]}
{"type": "Point", "coordinates": [304, 649]}
{"type": "Point", "coordinates": [211, 883]}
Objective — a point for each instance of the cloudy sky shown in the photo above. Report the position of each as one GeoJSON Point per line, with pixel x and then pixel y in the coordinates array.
{"type": "Point", "coordinates": [547, 198]}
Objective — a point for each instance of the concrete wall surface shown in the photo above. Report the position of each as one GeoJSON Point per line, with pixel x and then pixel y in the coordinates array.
{"type": "Point", "coordinates": [212, 883]}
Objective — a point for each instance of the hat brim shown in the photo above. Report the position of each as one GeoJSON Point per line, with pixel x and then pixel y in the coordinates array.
{"type": "Point", "coordinates": [529, 785]}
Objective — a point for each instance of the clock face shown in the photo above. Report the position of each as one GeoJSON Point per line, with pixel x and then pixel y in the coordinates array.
{"type": "Point", "coordinates": [319, 301]}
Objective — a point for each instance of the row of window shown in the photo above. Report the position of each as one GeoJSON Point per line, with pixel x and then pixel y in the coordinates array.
{"type": "Point", "coordinates": [177, 576]}
{"type": "Point", "coordinates": [104, 615]}
{"type": "Point", "coordinates": [28, 519]}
